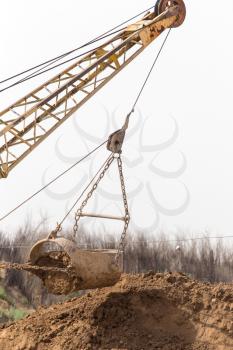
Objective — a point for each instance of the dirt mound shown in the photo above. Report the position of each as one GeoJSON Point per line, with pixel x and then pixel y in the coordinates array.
{"type": "Point", "coordinates": [150, 311]}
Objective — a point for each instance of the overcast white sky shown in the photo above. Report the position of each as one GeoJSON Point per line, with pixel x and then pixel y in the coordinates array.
{"type": "Point", "coordinates": [192, 85]}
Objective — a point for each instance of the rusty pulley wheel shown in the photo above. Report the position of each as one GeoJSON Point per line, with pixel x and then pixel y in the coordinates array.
{"type": "Point", "coordinates": [163, 5]}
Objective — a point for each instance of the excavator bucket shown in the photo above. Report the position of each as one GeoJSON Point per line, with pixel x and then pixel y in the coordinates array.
{"type": "Point", "coordinates": [65, 268]}
{"type": "Point", "coordinates": [77, 269]}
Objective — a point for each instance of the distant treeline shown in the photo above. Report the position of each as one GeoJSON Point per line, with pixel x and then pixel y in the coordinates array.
{"type": "Point", "coordinates": [203, 259]}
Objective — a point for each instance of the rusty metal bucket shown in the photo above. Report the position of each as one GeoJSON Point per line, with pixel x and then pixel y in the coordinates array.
{"type": "Point", "coordinates": [64, 268]}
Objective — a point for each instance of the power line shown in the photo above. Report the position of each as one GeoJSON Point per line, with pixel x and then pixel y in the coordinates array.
{"type": "Point", "coordinates": [135, 242]}
{"type": "Point", "coordinates": [180, 240]}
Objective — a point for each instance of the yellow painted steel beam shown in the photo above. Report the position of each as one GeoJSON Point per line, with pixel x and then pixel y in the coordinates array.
{"type": "Point", "coordinates": [26, 123]}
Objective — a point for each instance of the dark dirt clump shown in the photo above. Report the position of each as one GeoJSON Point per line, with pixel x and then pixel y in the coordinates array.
{"type": "Point", "coordinates": [148, 311]}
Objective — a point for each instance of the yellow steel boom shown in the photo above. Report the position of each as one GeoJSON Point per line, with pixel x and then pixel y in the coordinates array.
{"type": "Point", "coordinates": [26, 123]}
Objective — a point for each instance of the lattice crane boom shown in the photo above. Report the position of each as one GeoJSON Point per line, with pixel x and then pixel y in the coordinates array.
{"type": "Point", "coordinates": [29, 121]}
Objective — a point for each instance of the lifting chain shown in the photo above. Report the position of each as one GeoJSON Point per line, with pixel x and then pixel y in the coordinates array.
{"type": "Point", "coordinates": [90, 193]}
{"type": "Point", "coordinates": [78, 213]}
{"type": "Point", "coordinates": [114, 145]}
{"type": "Point", "coordinates": [121, 247]}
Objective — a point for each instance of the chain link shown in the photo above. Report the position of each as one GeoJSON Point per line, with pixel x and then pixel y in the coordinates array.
{"type": "Point", "coordinates": [122, 243]}
{"type": "Point", "coordinates": [78, 213]}
{"type": "Point", "coordinates": [89, 195]}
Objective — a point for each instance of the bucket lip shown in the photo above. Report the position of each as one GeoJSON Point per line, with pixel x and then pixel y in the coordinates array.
{"type": "Point", "coordinates": [66, 245]}
{"type": "Point", "coordinates": [57, 241]}
{"type": "Point", "coordinates": [55, 244]}
{"type": "Point", "coordinates": [42, 241]}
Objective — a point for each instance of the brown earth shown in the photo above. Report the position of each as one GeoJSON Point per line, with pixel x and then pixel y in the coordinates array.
{"type": "Point", "coordinates": [57, 280]}
{"type": "Point", "coordinates": [150, 311]}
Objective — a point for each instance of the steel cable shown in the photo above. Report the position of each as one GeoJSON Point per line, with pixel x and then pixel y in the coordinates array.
{"type": "Point", "coordinates": [67, 170]}
{"type": "Point", "coordinates": [55, 59]}
{"type": "Point", "coordinates": [149, 73]}
{"type": "Point", "coordinates": [52, 181]}
{"type": "Point", "coordinates": [85, 189]}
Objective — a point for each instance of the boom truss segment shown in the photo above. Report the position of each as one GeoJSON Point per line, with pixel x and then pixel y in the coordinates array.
{"type": "Point", "coordinates": [26, 123]}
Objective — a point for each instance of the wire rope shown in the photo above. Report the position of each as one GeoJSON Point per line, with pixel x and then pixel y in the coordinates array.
{"type": "Point", "coordinates": [51, 182]}
{"type": "Point", "coordinates": [57, 58]}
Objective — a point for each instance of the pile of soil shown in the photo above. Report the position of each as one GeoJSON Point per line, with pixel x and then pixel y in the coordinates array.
{"type": "Point", "coordinates": [149, 311]}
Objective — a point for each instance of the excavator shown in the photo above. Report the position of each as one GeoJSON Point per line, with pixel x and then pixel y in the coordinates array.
{"type": "Point", "coordinates": [57, 260]}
